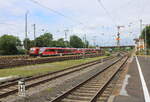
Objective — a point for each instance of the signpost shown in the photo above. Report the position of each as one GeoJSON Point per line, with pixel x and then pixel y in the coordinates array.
{"type": "Point", "coordinates": [21, 88]}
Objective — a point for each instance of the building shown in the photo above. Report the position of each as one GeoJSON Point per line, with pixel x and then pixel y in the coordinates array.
{"type": "Point", "coordinates": [139, 44]}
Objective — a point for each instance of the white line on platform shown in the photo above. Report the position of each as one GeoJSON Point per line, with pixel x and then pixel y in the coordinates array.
{"type": "Point", "coordinates": [144, 86]}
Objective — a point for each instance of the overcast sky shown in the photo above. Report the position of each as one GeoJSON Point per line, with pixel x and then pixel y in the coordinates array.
{"type": "Point", "coordinates": [97, 20]}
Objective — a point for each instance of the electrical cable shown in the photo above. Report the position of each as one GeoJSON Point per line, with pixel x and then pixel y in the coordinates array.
{"type": "Point", "coordinates": [56, 12]}
{"type": "Point", "coordinates": [106, 11]}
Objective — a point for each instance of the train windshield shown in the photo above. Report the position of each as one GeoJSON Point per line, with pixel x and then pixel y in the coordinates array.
{"type": "Point", "coordinates": [42, 50]}
{"type": "Point", "coordinates": [32, 49]}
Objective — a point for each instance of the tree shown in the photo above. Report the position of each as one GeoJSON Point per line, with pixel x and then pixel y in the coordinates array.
{"type": "Point", "coordinates": [44, 40]}
{"type": "Point", "coordinates": [9, 44]}
{"type": "Point", "coordinates": [86, 44]}
{"type": "Point", "coordinates": [76, 42]}
{"type": "Point", "coordinates": [146, 31]}
{"type": "Point", "coordinates": [60, 43]}
{"type": "Point", "coordinates": [28, 43]}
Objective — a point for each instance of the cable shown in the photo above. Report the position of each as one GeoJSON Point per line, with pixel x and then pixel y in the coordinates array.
{"type": "Point", "coordinates": [61, 14]}
{"type": "Point", "coordinates": [108, 14]}
{"type": "Point", "coordinates": [8, 24]}
{"type": "Point", "coordinates": [56, 12]}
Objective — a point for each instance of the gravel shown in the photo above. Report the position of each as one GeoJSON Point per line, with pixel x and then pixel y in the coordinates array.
{"type": "Point", "coordinates": [61, 85]}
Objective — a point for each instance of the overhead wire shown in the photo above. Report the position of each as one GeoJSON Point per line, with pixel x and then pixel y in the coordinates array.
{"type": "Point", "coordinates": [61, 14]}
{"type": "Point", "coordinates": [106, 11]}
{"type": "Point", "coordinates": [57, 12]}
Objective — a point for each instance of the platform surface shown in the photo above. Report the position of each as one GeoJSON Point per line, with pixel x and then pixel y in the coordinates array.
{"type": "Point", "coordinates": [133, 88]}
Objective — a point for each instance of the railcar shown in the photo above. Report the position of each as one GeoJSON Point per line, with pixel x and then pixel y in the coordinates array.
{"type": "Point", "coordinates": [56, 51]}
{"type": "Point", "coordinates": [50, 51]}
{"type": "Point", "coordinates": [34, 51]}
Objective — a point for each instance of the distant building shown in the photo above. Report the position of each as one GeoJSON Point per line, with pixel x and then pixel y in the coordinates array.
{"type": "Point", "coordinates": [139, 44]}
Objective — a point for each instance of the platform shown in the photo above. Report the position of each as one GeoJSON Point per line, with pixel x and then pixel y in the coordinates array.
{"type": "Point", "coordinates": [133, 89]}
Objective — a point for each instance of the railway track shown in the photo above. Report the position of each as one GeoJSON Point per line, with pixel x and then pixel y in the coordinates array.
{"type": "Point", "coordinates": [12, 87]}
{"type": "Point", "coordinates": [30, 77]}
{"type": "Point", "coordinates": [91, 90]}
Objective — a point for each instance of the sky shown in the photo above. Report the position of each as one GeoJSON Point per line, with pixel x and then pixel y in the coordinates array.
{"type": "Point", "coordinates": [97, 19]}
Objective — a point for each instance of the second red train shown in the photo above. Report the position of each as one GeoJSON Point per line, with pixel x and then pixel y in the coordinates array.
{"type": "Point", "coordinates": [49, 51]}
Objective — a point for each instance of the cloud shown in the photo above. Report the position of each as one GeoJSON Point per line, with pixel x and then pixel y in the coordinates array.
{"type": "Point", "coordinates": [95, 20]}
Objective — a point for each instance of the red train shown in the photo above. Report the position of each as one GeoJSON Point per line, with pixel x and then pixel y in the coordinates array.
{"type": "Point", "coordinates": [48, 51]}
{"type": "Point", "coordinates": [34, 51]}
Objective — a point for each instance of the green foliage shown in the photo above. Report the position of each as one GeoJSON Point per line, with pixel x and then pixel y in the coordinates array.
{"type": "Point", "coordinates": [28, 43]}
{"type": "Point", "coordinates": [146, 31]}
{"type": "Point", "coordinates": [60, 43]}
{"type": "Point", "coordinates": [76, 42]}
{"type": "Point", "coordinates": [8, 44]}
{"type": "Point", "coordinates": [86, 44]}
{"type": "Point", "coordinates": [44, 40]}
{"type": "Point", "coordinates": [44, 68]}
{"type": "Point", "coordinates": [107, 53]}
{"type": "Point", "coordinates": [90, 46]}
{"type": "Point", "coordinates": [21, 51]}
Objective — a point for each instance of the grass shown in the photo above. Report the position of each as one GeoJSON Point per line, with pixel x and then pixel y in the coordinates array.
{"type": "Point", "coordinates": [43, 68]}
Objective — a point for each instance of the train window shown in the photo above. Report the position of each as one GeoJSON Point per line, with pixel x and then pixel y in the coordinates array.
{"type": "Point", "coordinates": [42, 50]}
{"type": "Point", "coordinates": [49, 50]}
{"type": "Point", "coordinates": [60, 50]}
{"type": "Point", "coordinates": [31, 49]}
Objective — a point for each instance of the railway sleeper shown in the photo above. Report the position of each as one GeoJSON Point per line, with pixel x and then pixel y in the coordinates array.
{"type": "Point", "coordinates": [82, 94]}
{"type": "Point", "coordinates": [85, 91]}
{"type": "Point", "coordinates": [92, 86]}
{"type": "Point", "coordinates": [102, 99]}
{"type": "Point", "coordinates": [70, 100]}
{"type": "Point", "coordinates": [89, 89]}
{"type": "Point", "coordinates": [108, 91]}
{"type": "Point", "coordinates": [85, 98]}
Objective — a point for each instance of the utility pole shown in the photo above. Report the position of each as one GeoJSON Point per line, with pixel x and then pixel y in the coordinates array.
{"type": "Point", "coordinates": [34, 28]}
{"type": "Point", "coordinates": [26, 28]}
{"type": "Point", "coordinates": [145, 41]}
{"type": "Point", "coordinates": [145, 38]}
{"type": "Point", "coordinates": [94, 40]}
{"type": "Point", "coordinates": [66, 31]}
{"type": "Point", "coordinates": [85, 40]}
{"type": "Point", "coordinates": [141, 26]}
{"type": "Point", "coordinates": [26, 24]}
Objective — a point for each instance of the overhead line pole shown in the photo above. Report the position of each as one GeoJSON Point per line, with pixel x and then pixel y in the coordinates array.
{"type": "Point", "coordinates": [34, 28]}
{"type": "Point", "coordinates": [26, 24]}
{"type": "Point", "coordinates": [145, 41]}
{"type": "Point", "coordinates": [145, 37]}
{"type": "Point", "coordinates": [26, 28]}
{"type": "Point", "coordinates": [85, 40]}
{"type": "Point", "coordinates": [66, 36]}
{"type": "Point", "coordinates": [141, 26]}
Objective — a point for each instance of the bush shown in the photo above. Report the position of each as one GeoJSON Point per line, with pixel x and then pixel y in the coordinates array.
{"type": "Point", "coordinates": [107, 53]}
{"type": "Point", "coordinates": [8, 44]}
{"type": "Point", "coordinates": [21, 51]}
